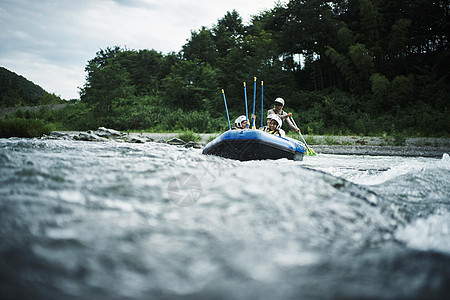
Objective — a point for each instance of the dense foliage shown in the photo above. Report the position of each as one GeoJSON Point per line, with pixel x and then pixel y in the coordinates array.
{"type": "Point", "coordinates": [346, 66]}
{"type": "Point", "coordinates": [17, 91]}
{"type": "Point", "coordinates": [21, 127]}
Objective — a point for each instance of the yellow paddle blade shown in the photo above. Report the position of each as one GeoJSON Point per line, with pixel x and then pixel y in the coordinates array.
{"type": "Point", "coordinates": [311, 152]}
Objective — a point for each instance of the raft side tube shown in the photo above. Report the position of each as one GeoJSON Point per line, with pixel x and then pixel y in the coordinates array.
{"type": "Point", "coordinates": [250, 144]}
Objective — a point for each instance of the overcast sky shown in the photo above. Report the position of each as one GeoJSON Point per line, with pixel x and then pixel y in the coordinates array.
{"type": "Point", "coordinates": [50, 41]}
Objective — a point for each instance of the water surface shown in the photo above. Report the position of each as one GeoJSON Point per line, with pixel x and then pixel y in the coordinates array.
{"type": "Point", "coordinates": [86, 220]}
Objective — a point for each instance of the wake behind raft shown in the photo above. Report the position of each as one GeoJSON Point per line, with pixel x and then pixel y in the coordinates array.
{"type": "Point", "coordinates": [251, 144]}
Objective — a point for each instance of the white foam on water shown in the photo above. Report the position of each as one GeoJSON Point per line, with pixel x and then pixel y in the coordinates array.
{"type": "Point", "coordinates": [429, 234]}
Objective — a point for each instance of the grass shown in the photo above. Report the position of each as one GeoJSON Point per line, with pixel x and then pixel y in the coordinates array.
{"type": "Point", "coordinates": [312, 140]}
{"type": "Point", "coordinates": [331, 140]}
{"type": "Point", "coordinates": [190, 136]}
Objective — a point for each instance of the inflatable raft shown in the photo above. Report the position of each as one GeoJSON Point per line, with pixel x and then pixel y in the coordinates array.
{"type": "Point", "coordinates": [251, 144]}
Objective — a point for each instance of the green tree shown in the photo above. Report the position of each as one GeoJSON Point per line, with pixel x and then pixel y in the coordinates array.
{"type": "Point", "coordinates": [228, 33]}
{"type": "Point", "coordinates": [370, 21]}
{"type": "Point", "coordinates": [398, 38]}
{"type": "Point", "coordinates": [362, 59]}
{"type": "Point", "coordinates": [201, 47]}
{"type": "Point", "coordinates": [401, 90]}
{"type": "Point", "coordinates": [105, 85]}
{"type": "Point", "coordinates": [380, 85]}
{"type": "Point", "coordinates": [191, 87]}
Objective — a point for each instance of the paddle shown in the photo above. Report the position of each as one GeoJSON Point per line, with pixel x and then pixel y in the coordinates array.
{"type": "Point", "coordinates": [309, 150]}
{"type": "Point", "coordinates": [262, 98]}
{"type": "Point", "coordinates": [246, 110]}
{"type": "Point", "coordinates": [226, 108]}
{"type": "Point", "coordinates": [254, 101]}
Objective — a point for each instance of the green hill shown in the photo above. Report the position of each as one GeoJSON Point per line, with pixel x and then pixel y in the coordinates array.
{"type": "Point", "coordinates": [16, 91]}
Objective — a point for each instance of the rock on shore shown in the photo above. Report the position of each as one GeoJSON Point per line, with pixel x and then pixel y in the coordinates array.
{"type": "Point", "coordinates": [103, 134]}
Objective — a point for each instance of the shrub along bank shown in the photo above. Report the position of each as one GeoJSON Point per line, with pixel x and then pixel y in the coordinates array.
{"type": "Point", "coordinates": [20, 127]}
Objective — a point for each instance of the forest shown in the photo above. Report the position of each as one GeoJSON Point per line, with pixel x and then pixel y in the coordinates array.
{"type": "Point", "coordinates": [365, 67]}
{"type": "Point", "coordinates": [17, 91]}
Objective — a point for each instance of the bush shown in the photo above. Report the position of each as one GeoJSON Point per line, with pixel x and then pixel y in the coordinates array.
{"type": "Point", "coordinates": [193, 120]}
{"type": "Point", "coordinates": [365, 125]}
{"type": "Point", "coordinates": [19, 127]}
{"type": "Point", "coordinates": [380, 84]}
{"type": "Point", "coordinates": [189, 136]}
{"type": "Point", "coordinates": [159, 119]}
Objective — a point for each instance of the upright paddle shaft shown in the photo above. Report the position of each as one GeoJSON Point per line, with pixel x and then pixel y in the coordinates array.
{"type": "Point", "coordinates": [262, 101]}
{"type": "Point", "coordinates": [246, 108]}
{"type": "Point", "coordinates": [254, 100]}
{"type": "Point", "coordinates": [226, 108]}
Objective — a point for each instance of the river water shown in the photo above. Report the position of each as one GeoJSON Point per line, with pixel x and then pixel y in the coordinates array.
{"type": "Point", "coordinates": [109, 220]}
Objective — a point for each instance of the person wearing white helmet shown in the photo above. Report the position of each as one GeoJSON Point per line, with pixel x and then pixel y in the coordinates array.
{"type": "Point", "coordinates": [242, 122]}
{"type": "Point", "coordinates": [284, 116]}
{"type": "Point", "coordinates": [274, 125]}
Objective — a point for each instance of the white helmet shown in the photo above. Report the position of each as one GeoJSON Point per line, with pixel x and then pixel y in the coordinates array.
{"type": "Point", "coordinates": [276, 118]}
{"type": "Point", "coordinates": [239, 120]}
{"type": "Point", "coordinates": [280, 100]}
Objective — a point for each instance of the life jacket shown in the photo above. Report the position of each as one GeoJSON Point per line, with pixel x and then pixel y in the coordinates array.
{"type": "Point", "coordinates": [275, 132]}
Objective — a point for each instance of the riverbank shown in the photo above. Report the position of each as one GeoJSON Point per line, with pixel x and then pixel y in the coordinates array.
{"type": "Point", "coordinates": [347, 145]}
{"type": "Point", "coordinates": [382, 146]}
{"type": "Point", "coordinates": [425, 151]}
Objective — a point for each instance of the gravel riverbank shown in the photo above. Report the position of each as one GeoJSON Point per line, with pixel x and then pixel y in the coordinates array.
{"type": "Point", "coordinates": [348, 145]}
{"type": "Point", "coordinates": [425, 151]}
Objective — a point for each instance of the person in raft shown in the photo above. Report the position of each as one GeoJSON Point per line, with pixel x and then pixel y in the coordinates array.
{"type": "Point", "coordinates": [274, 125]}
{"type": "Point", "coordinates": [241, 122]}
{"type": "Point", "coordinates": [278, 110]}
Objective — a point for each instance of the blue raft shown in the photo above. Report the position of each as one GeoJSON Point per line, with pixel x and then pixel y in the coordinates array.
{"type": "Point", "coordinates": [251, 144]}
